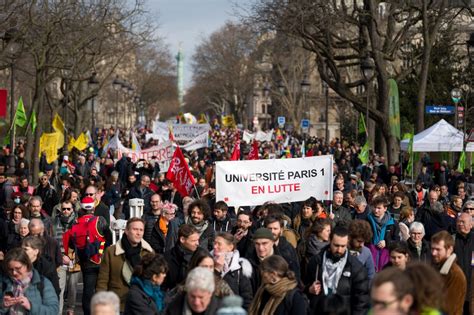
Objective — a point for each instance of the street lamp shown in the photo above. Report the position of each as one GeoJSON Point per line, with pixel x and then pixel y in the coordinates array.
{"type": "Point", "coordinates": [456, 95]}
{"type": "Point", "coordinates": [281, 86]}
{"type": "Point", "coordinates": [93, 85]}
{"type": "Point", "coordinates": [305, 85]}
{"type": "Point", "coordinates": [116, 85]}
{"type": "Point", "coordinates": [368, 70]}
{"type": "Point", "coordinates": [12, 47]}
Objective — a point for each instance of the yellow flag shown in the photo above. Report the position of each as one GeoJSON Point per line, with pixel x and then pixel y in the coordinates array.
{"type": "Point", "coordinates": [228, 121]}
{"type": "Point", "coordinates": [80, 143]}
{"type": "Point", "coordinates": [58, 126]}
{"type": "Point", "coordinates": [49, 145]}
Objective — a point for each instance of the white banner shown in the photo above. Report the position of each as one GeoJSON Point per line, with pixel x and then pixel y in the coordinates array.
{"type": "Point", "coordinates": [163, 154]}
{"type": "Point", "coordinates": [252, 183]}
{"type": "Point", "coordinates": [201, 141]}
{"type": "Point", "coordinates": [181, 132]}
{"type": "Point", "coordinates": [259, 136]}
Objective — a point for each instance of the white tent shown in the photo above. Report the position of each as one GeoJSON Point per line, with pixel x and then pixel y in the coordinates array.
{"type": "Point", "coordinates": [441, 137]}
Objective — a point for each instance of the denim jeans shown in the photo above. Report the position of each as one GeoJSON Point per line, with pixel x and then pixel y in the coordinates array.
{"type": "Point", "coordinates": [89, 277]}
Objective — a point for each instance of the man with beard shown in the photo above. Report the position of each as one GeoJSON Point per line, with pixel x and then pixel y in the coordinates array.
{"type": "Point", "coordinates": [199, 215]}
{"type": "Point", "coordinates": [179, 256]}
{"type": "Point", "coordinates": [221, 220]}
{"type": "Point", "coordinates": [242, 232]}
{"type": "Point", "coordinates": [334, 271]}
{"type": "Point", "coordinates": [444, 260]}
{"type": "Point", "coordinates": [359, 234]}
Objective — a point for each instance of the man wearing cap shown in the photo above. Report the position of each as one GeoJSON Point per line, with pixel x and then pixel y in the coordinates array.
{"type": "Point", "coordinates": [88, 241]}
{"type": "Point", "coordinates": [263, 247]}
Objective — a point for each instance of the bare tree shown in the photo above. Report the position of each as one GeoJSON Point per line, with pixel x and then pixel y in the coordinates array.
{"type": "Point", "coordinates": [342, 34]}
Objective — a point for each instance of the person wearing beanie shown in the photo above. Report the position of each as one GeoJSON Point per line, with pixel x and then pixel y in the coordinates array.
{"type": "Point", "coordinates": [263, 247]}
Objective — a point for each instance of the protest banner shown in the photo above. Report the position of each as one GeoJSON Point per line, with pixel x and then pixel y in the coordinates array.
{"type": "Point", "coordinates": [163, 154]}
{"type": "Point", "coordinates": [181, 132]}
{"type": "Point", "coordinates": [201, 141]}
{"type": "Point", "coordinates": [259, 136]}
{"type": "Point", "coordinates": [252, 183]}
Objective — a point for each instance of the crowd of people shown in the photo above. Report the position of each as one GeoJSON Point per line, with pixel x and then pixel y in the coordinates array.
{"type": "Point", "coordinates": [379, 246]}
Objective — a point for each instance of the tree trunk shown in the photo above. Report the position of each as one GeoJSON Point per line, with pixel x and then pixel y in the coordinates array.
{"type": "Point", "coordinates": [420, 111]}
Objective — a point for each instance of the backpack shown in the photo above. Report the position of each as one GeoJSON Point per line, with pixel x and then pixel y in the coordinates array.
{"type": "Point", "coordinates": [289, 300]}
{"type": "Point", "coordinates": [85, 243]}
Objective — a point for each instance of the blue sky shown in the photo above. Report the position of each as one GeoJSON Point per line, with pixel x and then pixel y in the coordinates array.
{"type": "Point", "coordinates": [188, 21]}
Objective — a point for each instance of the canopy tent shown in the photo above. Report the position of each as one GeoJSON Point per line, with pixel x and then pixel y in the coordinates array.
{"type": "Point", "coordinates": [441, 137]}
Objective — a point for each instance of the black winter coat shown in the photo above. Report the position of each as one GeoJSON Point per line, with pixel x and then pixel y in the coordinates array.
{"type": "Point", "coordinates": [239, 278]}
{"type": "Point", "coordinates": [425, 253]}
{"type": "Point", "coordinates": [177, 305]}
{"type": "Point", "coordinates": [139, 303]}
{"type": "Point", "coordinates": [158, 241]}
{"type": "Point", "coordinates": [177, 267]}
{"type": "Point", "coordinates": [353, 285]}
{"type": "Point", "coordinates": [464, 247]}
{"type": "Point", "coordinates": [285, 250]}
{"type": "Point", "coordinates": [46, 268]}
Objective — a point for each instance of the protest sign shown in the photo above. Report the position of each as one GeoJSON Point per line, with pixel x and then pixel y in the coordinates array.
{"type": "Point", "coordinates": [181, 132]}
{"type": "Point", "coordinates": [201, 141]}
{"type": "Point", "coordinates": [252, 183]}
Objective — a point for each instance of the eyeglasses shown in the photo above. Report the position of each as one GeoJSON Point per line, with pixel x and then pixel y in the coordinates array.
{"type": "Point", "coordinates": [16, 269]}
{"type": "Point", "coordinates": [67, 209]}
{"type": "Point", "coordinates": [89, 194]}
{"type": "Point", "coordinates": [170, 213]}
{"type": "Point", "coordinates": [383, 304]}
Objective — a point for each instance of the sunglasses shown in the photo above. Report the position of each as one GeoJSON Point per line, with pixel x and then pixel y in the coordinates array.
{"type": "Point", "coordinates": [67, 209]}
{"type": "Point", "coordinates": [89, 194]}
{"type": "Point", "coordinates": [469, 208]}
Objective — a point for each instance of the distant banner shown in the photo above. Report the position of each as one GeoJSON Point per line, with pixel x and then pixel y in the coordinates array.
{"type": "Point", "coordinates": [252, 183]}
{"type": "Point", "coordinates": [201, 141]}
{"type": "Point", "coordinates": [163, 154]}
{"type": "Point", "coordinates": [181, 132]}
{"type": "Point", "coordinates": [259, 136]}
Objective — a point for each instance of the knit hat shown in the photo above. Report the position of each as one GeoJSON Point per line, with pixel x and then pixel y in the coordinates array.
{"type": "Point", "coordinates": [88, 203]}
{"type": "Point", "coordinates": [263, 233]}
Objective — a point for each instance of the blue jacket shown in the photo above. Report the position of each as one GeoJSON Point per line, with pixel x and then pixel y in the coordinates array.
{"type": "Point", "coordinates": [42, 303]}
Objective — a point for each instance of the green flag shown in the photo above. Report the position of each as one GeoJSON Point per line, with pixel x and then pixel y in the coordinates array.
{"type": "Point", "coordinates": [362, 127]}
{"type": "Point", "coordinates": [394, 108]}
{"type": "Point", "coordinates": [33, 122]}
{"type": "Point", "coordinates": [6, 140]}
{"type": "Point", "coordinates": [462, 162]}
{"type": "Point", "coordinates": [364, 153]}
{"type": "Point", "coordinates": [20, 115]}
{"type": "Point", "coordinates": [410, 152]}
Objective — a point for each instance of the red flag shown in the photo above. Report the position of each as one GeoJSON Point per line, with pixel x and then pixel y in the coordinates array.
{"type": "Point", "coordinates": [3, 103]}
{"type": "Point", "coordinates": [236, 153]}
{"type": "Point", "coordinates": [253, 154]}
{"type": "Point", "coordinates": [180, 175]}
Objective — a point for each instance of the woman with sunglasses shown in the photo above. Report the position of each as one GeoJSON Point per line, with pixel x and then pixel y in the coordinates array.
{"type": "Point", "coordinates": [26, 291]}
